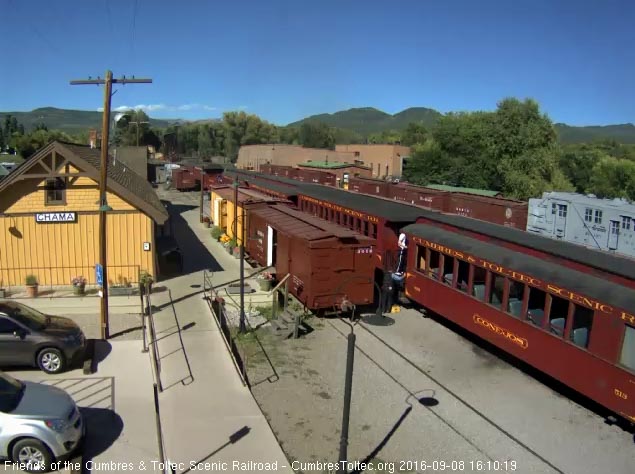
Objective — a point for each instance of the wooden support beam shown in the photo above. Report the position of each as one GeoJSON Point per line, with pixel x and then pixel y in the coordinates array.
{"type": "Point", "coordinates": [45, 166]}
{"type": "Point", "coordinates": [53, 175]}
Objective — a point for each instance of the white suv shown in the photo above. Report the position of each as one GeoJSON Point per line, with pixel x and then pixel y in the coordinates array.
{"type": "Point", "coordinates": [39, 424]}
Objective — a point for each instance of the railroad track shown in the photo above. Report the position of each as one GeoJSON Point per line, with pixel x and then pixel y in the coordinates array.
{"type": "Point", "coordinates": [342, 330]}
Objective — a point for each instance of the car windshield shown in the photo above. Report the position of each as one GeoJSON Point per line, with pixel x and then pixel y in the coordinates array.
{"type": "Point", "coordinates": [10, 392]}
{"type": "Point", "coordinates": [24, 315]}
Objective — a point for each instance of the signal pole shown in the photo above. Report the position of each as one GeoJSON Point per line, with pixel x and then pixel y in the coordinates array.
{"type": "Point", "coordinates": [103, 203]}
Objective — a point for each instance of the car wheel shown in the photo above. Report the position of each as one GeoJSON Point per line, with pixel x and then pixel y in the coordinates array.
{"type": "Point", "coordinates": [34, 455]}
{"type": "Point", "coordinates": [51, 360]}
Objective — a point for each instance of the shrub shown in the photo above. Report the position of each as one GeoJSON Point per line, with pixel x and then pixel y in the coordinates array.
{"type": "Point", "coordinates": [78, 281]}
{"type": "Point", "coordinates": [217, 232]}
{"type": "Point", "coordinates": [31, 280]}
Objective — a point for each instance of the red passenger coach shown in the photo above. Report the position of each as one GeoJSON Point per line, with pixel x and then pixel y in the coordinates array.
{"type": "Point", "coordinates": [576, 327]}
{"type": "Point", "coordinates": [325, 261]}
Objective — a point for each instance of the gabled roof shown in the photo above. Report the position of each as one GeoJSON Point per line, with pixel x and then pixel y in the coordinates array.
{"type": "Point", "coordinates": [122, 181]}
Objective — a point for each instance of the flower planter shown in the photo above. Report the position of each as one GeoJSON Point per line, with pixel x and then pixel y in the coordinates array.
{"type": "Point", "coordinates": [120, 291]}
{"type": "Point", "coordinates": [31, 291]}
{"type": "Point", "coordinates": [79, 290]}
{"type": "Point", "coordinates": [265, 285]}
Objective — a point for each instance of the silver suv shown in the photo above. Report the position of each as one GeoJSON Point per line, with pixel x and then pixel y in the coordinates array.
{"type": "Point", "coordinates": [39, 424]}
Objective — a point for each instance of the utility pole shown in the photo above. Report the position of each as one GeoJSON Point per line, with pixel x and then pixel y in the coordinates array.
{"type": "Point", "coordinates": [137, 123]}
{"type": "Point", "coordinates": [103, 203]}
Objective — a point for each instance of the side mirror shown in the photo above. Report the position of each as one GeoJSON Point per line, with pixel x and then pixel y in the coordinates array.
{"type": "Point", "coordinates": [19, 333]}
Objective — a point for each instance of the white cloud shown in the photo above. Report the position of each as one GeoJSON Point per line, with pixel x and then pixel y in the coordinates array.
{"type": "Point", "coordinates": [163, 107]}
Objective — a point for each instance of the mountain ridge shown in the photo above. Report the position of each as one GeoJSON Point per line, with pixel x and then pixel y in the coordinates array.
{"type": "Point", "coordinates": [360, 120]}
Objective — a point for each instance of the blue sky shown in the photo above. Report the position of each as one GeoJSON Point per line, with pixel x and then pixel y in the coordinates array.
{"type": "Point", "coordinates": [284, 60]}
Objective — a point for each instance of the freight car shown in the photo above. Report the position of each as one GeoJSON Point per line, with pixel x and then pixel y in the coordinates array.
{"type": "Point", "coordinates": [561, 308]}
{"type": "Point", "coordinates": [321, 257]}
{"type": "Point", "coordinates": [186, 178]}
{"type": "Point", "coordinates": [570, 324]}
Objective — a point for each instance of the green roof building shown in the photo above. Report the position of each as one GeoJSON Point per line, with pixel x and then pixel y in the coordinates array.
{"type": "Point", "coordinates": [457, 189]}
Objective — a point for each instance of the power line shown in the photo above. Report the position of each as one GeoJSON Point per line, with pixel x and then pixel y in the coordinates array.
{"type": "Point", "coordinates": [134, 27]}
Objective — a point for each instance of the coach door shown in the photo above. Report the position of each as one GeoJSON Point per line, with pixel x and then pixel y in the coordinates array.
{"type": "Point", "coordinates": [614, 233]}
{"type": "Point", "coordinates": [560, 220]}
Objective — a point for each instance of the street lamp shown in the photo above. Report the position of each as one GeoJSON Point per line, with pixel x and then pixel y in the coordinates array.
{"type": "Point", "coordinates": [350, 358]}
{"type": "Point", "coordinates": [241, 327]}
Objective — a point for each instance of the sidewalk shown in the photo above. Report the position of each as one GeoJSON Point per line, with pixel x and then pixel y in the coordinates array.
{"type": "Point", "coordinates": [199, 417]}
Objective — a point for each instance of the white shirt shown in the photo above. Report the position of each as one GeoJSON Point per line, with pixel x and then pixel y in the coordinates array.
{"type": "Point", "coordinates": [402, 241]}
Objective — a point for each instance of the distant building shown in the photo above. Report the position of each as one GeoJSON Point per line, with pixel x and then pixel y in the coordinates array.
{"type": "Point", "coordinates": [342, 171]}
{"type": "Point", "coordinates": [382, 160]}
{"type": "Point", "coordinates": [135, 158]}
{"type": "Point", "coordinates": [602, 224]}
{"type": "Point", "coordinates": [3, 171]}
{"type": "Point", "coordinates": [385, 160]}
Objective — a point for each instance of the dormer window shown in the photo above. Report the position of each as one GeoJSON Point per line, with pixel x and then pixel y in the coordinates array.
{"type": "Point", "coordinates": [55, 192]}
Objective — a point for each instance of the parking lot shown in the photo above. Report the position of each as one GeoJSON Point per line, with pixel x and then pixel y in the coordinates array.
{"type": "Point", "coordinates": [116, 401]}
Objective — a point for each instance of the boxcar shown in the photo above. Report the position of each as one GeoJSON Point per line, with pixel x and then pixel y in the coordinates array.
{"type": "Point", "coordinates": [507, 212]}
{"type": "Point", "coordinates": [572, 325]}
{"type": "Point", "coordinates": [315, 176]}
{"type": "Point", "coordinates": [327, 263]}
{"type": "Point", "coordinates": [186, 178]}
{"type": "Point", "coordinates": [374, 187]}
{"type": "Point", "coordinates": [420, 196]}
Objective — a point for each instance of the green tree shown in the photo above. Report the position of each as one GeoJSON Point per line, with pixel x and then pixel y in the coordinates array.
{"type": "Point", "coordinates": [612, 177]}
{"type": "Point", "coordinates": [316, 135]}
{"type": "Point", "coordinates": [205, 144]}
{"type": "Point", "coordinates": [246, 129]}
{"type": "Point", "coordinates": [414, 133]}
{"type": "Point", "coordinates": [29, 143]}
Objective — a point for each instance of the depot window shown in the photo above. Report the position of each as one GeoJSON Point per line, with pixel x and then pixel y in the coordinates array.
{"type": "Point", "coordinates": [626, 223]}
{"type": "Point", "coordinates": [598, 216]}
{"type": "Point", "coordinates": [55, 191]}
{"type": "Point", "coordinates": [588, 215]}
{"type": "Point", "coordinates": [627, 356]}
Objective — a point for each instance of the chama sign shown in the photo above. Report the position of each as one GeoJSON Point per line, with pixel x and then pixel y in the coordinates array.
{"type": "Point", "coordinates": [50, 217]}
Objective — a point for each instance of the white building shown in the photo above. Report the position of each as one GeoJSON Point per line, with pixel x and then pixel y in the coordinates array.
{"type": "Point", "coordinates": [602, 224]}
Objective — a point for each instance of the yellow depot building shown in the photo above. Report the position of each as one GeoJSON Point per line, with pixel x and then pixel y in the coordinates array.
{"type": "Point", "coordinates": [49, 219]}
{"type": "Point", "coordinates": [222, 208]}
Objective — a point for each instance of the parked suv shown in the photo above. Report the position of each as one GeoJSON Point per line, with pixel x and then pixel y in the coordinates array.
{"type": "Point", "coordinates": [28, 337]}
{"type": "Point", "coordinates": [39, 424]}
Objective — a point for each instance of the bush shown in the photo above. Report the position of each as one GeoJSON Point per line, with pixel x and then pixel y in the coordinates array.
{"type": "Point", "coordinates": [31, 280]}
{"type": "Point", "coordinates": [217, 232]}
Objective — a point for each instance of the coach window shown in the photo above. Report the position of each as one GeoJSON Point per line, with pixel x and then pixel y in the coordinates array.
{"type": "Point", "coordinates": [627, 356]}
{"type": "Point", "coordinates": [478, 286]}
{"type": "Point", "coordinates": [581, 329]}
{"type": "Point", "coordinates": [364, 228]}
{"type": "Point", "coordinates": [463, 275]}
{"type": "Point", "coordinates": [421, 258]}
{"type": "Point", "coordinates": [497, 283]}
{"type": "Point", "coordinates": [516, 295]}
{"type": "Point", "coordinates": [448, 270]}
{"type": "Point", "coordinates": [536, 306]}
{"type": "Point", "coordinates": [433, 264]}
{"type": "Point", "coordinates": [558, 315]}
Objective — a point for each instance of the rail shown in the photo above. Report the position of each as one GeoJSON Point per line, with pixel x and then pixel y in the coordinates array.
{"type": "Point", "coordinates": [215, 303]}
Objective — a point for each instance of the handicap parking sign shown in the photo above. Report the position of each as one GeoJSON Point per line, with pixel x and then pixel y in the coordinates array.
{"type": "Point", "coordinates": [99, 274]}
